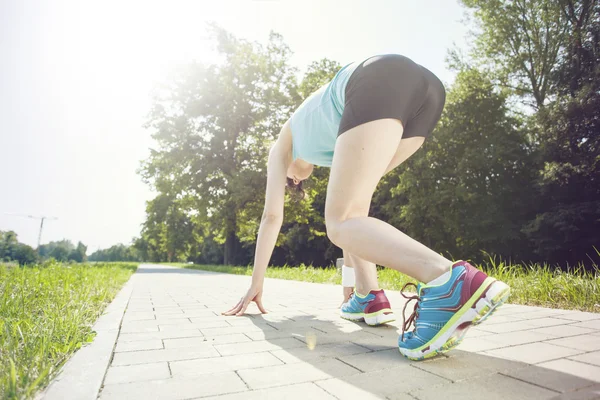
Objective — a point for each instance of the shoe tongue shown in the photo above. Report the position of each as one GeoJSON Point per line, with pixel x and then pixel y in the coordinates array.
{"type": "Point", "coordinates": [419, 287]}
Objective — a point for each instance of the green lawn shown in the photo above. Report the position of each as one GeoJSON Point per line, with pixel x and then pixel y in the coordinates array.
{"type": "Point", "coordinates": [46, 313]}
{"type": "Point", "coordinates": [537, 285]}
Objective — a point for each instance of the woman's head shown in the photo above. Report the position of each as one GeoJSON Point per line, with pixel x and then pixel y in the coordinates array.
{"type": "Point", "coordinates": [298, 171]}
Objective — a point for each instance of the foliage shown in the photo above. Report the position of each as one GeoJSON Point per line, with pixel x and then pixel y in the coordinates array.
{"type": "Point", "coordinates": [512, 167]}
{"type": "Point", "coordinates": [519, 41]}
{"type": "Point", "coordinates": [531, 284]}
{"type": "Point", "coordinates": [118, 252]}
{"type": "Point", "coordinates": [568, 222]}
{"type": "Point", "coordinates": [466, 190]}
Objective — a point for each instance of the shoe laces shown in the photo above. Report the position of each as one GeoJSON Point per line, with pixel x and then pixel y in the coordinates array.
{"type": "Point", "coordinates": [412, 319]}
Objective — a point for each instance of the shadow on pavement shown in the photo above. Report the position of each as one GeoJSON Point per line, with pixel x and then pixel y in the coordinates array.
{"type": "Point", "coordinates": [348, 360]}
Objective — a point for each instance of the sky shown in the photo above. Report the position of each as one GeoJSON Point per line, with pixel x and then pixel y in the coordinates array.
{"type": "Point", "coordinates": [76, 79]}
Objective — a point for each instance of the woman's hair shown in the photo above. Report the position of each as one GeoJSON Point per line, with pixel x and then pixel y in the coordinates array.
{"type": "Point", "coordinates": [295, 190]}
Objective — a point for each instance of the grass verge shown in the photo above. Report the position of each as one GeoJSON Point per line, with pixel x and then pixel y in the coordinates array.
{"type": "Point", "coordinates": [534, 284]}
{"type": "Point", "coordinates": [46, 313]}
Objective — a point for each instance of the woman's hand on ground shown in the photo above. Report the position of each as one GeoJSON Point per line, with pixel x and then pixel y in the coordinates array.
{"type": "Point", "coordinates": [254, 294]}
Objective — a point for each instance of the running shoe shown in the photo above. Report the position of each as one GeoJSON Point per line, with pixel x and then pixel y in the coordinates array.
{"type": "Point", "coordinates": [445, 311]}
{"type": "Point", "coordinates": [374, 308]}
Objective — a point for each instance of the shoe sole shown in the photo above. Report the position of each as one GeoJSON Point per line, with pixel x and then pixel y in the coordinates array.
{"type": "Point", "coordinates": [373, 319]}
{"type": "Point", "coordinates": [480, 306]}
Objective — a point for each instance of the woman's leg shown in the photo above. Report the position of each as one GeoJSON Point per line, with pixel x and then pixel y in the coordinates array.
{"type": "Point", "coordinates": [362, 155]}
{"type": "Point", "coordinates": [365, 273]}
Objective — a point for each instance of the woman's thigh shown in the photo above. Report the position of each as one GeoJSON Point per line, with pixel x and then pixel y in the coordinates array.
{"type": "Point", "coordinates": [362, 156]}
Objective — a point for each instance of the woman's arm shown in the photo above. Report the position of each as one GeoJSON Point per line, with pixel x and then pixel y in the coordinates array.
{"type": "Point", "coordinates": [272, 218]}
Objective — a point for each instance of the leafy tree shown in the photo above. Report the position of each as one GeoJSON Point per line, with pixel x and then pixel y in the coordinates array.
{"type": "Point", "coordinates": [568, 225]}
{"type": "Point", "coordinates": [466, 190]}
{"type": "Point", "coordinates": [520, 41]}
{"type": "Point", "coordinates": [213, 125]}
{"type": "Point", "coordinates": [79, 253]}
{"type": "Point", "coordinates": [8, 245]}
{"type": "Point", "coordinates": [25, 255]}
{"type": "Point", "coordinates": [118, 252]}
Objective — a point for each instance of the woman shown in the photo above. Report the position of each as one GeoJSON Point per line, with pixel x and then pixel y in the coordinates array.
{"type": "Point", "coordinates": [371, 117]}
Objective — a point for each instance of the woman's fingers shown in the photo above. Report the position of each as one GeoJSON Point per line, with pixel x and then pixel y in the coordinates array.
{"type": "Point", "coordinates": [245, 305]}
{"type": "Point", "coordinates": [260, 305]}
{"type": "Point", "coordinates": [235, 308]}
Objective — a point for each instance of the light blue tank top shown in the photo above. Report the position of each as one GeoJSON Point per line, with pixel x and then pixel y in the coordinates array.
{"type": "Point", "coordinates": [315, 123]}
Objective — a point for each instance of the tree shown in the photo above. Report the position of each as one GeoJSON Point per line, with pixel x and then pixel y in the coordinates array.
{"type": "Point", "coordinates": [567, 226]}
{"type": "Point", "coordinates": [79, 253]}
{"type": "Point", "coordinates": [59, 250]}
{"type": "Point", "coordinates": [520, 41]}
{"type": "Point", "coordinates": [25, 255]}
{"type": "Point", "coordinates": [118, 252]}
{"type": "Point", "coordinates": [213, 125]}
{"type": "Point", "coordinates": [8, 245]}
{"type": "Point", "coordinates": [466, 189]}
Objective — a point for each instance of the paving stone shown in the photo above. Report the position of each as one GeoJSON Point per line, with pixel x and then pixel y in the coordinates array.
{"type": "Point", "coordinates": [479, 344]}
{"type": "Point", "coordinates": [138, 316]}
{"type": "Point", "coordinates": [188, 325]}
{"type": "Point", "coordinates": [588, 393]}
{"type": "Point", "coordinates": [149, 356]}
{"type": "Point", "coordinates": [345, 390]}
{"type": "Point", "coordinates": [236, 329]}
{"type": "Point", "coordinates": [212, 340]}
{"type": "Point", "coordinates": [201, 313]}
{"type": "Point", "coordinates": [241, 321]}
{"type": "Point", "coordinates": [590, 358]}
{"type": "Point", "coordinates": [294, 373]}
{"type": "Point", "coordinates": [151, 344]}
{"type": "Point", "coordinates": [184, 333]}
{"type": "Point", "coordinates": [273, 334]}
{"type": "Point", "coordinates": [136, 373]}
{"type": "Point", "coordinates": [507, 327]}
{"type": "Point", "coordinates": [375, 361]}
{"type": "Point", "coordinates": [176, 389]}
{"type": "Point", "coordinates": [257, 346]}
{"type": "Point", "coordinates": [517, 338]}
{"type": "Point", "coordinates": [582, 342]}
{"type": "Point", "coordinates": [461, 365]}
{"type": "Point", "coordinates": [165, 312]}
{"type": "Point", "coordinates": [547, 321]}
{"type": "Point", "coordinates": [386, 383]}
{"type": "Point", "coordinates": [222, 364]}
{"type": "Point", "coordinates": [580, 316]}
{"type": "Point", "coordinates": [172, 319]}
{"type": "Point", "coordinates": [318, 353]}
{"type": "Point", "coordinates": [495, 387]}
{"type": "Point", "coordinates": [591, 324]}
{"type": "Point", "coordinates": [476, 333]}
{"type": "Point", "coordinates": [301, 391]}
{"type": "Point", "coordinates": [559, 375]}
{"type": "Point", "coordinates": [533, 353]}
{"type": "Point", "coordinates": [563, 331]}
{"type": "Point", "coordinates": [138, 328]}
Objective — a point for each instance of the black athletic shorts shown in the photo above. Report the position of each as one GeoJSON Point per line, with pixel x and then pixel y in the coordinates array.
{"type": "Point", "coordinates": [393, 86]}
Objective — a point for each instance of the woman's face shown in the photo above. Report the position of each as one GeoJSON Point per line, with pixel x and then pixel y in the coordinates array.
{"type": "Point", "coordinates": [299, 170]}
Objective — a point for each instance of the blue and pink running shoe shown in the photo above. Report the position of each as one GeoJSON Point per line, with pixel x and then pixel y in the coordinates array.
{"type": "Point", "coordinates": [374, 308]}
{"type": "Point", "coordinates": [445, 311]}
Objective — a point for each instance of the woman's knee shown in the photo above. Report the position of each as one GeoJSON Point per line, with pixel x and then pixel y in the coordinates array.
{"type": "Point", "coordinates": [332, 226]}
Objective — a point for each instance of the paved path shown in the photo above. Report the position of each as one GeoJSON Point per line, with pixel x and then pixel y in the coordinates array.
{"type": "Point", "coordinates": [174, 344]}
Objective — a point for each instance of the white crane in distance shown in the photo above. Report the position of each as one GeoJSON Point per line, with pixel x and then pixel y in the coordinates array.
{"type": "Point", "coordinates": [41, 223]}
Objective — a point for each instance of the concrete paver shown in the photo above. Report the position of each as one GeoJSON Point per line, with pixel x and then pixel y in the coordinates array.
{"type": "Point", "coordinates": [173, 344]}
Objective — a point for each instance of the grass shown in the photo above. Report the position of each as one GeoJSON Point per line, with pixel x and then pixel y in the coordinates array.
{"type": "Point", "coordinates": [46, 314]}
{"type": "Point", "coordinates": [533, 284]}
